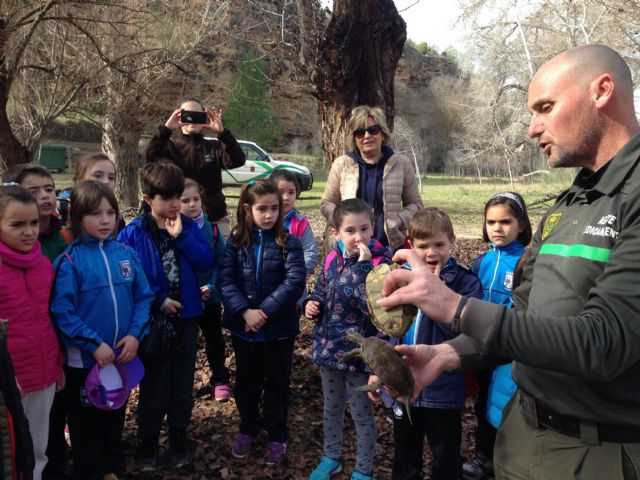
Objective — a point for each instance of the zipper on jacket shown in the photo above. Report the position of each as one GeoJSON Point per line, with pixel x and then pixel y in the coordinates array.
{"type": "Point", "coordinates": [113, 292]}
{"type": "Point", "coordinates": [258, 276]}
{"type": "Point", "coordinates": [495, 272]}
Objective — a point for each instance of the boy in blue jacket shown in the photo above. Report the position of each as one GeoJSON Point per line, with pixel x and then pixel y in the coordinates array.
{"type": "Point", "coordinates": [172, 251]}
{"type": "Point", "coordinates": [436, 411]}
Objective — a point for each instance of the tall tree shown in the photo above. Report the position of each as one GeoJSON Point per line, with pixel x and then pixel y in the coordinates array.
{"type": "Point", "coordinates": [250, 113]}
{"type": "Point", "coordinates": [46, 60]}
{"type": "Point", "coordinates": [351, 62]}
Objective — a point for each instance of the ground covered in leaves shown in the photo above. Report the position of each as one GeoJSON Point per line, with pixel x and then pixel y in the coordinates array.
{"type": "Point", "coordinates": [215, 424]}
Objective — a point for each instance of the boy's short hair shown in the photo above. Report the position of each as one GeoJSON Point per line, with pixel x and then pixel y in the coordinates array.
{"type": "Point", "coordinates": [429, 222]}
{"type": "Point", "coordinates": [162, 178]}
{"type": "Point", "coordinates": [18, 173]}
{"type": "Point", "coordinates": [352, 206]}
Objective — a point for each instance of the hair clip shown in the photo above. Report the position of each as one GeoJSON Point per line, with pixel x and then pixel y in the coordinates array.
{"type": "Point", "coordinates": [252, 182]}
{"type": "Point", "coordinates": [11, 184]}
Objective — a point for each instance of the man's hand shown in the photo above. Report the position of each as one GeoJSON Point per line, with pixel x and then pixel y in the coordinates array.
{"type": "Point", "coordinates": [173, 226]}
{"type": "Point", "coordinates": [174, 120]}
{"type": "Point", "coordinates": [214, 120]}
{"type": "Point", "coordinates": [254, 319]}
{"type": "Point", "coordinates": [129, 346]}
{"type": "Point", "coordinates": [365, 253]}
{"type": "Point", "coordinates": [427, 362]}
{"type": "Point", "coordinates": [423, 289]}
{"type": "Point", "coordinates": [103, 355]}
{"type": "Point", "coordinates": [312, 309]}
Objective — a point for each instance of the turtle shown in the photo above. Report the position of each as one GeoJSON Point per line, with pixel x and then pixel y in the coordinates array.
{"type": "Point", "coordinates": [386, 363]}
{"type": "Point", "coordinates": [396, 321]}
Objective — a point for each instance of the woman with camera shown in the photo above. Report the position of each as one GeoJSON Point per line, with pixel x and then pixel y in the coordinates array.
{"type": "Point", "coordinates": [373, 172]}
{"type": "Point", "coordinates": [198, 157]}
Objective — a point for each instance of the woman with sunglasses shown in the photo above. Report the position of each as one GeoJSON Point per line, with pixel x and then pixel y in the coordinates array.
{"type": "Point", "coordinates": [372, 171]}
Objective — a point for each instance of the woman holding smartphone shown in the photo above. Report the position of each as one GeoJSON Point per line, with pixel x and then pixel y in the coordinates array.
{"type": "Point", "coordinates": [198, 157]}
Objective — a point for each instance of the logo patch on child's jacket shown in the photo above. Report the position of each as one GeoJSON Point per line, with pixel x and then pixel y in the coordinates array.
{"type": "Point", "coordinates": [125, 268]}
{"type": "Point", "coordinates": [550, 224]}
{"type": "Point", "coordinates": [508, 280]}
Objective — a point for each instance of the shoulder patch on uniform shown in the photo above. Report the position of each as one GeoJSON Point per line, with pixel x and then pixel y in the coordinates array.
{"type": "Point", "coordinates": [125, 268]}
{"type": "Point", "coordinates": [551, 223]}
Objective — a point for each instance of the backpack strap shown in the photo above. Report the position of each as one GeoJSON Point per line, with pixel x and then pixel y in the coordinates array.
{"type": "Point", "coordinates": [327, 261]}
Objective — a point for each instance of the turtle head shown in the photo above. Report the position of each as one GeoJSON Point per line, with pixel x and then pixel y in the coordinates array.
{"type": "Point", "coordinates": [355, 336]}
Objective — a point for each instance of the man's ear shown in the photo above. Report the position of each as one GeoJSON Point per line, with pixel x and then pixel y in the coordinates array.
{"type": "Point", "coordinates": [147, 199]}
{"type": "Point", "coordinates": [602, 89]}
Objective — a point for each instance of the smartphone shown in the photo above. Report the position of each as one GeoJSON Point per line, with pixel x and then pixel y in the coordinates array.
{"type": "Point", "coordinates": [188, 116]}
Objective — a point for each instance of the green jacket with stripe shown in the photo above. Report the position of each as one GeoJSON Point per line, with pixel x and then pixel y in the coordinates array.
{"type": "Point", "coordinates": [575, 331]}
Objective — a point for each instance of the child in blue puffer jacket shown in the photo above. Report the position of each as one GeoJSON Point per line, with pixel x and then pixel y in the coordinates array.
{"type": "Point", "coordinates": [508, 229]}
{"type": "Point", "coordinates": [339, 303]}
{"type": "Point", "coordinates": [261, 277]}
{"type": "Point", "coordinates": [436, 411]}
{"type": "Point", "coordinates": [100, 303]}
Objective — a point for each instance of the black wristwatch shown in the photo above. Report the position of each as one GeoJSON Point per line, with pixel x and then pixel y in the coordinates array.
{"type": "Point", "coordinates": [455, 324]}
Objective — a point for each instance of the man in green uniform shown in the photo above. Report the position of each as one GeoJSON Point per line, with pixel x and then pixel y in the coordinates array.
{"type": "Point", "coordinates": [575, 330]}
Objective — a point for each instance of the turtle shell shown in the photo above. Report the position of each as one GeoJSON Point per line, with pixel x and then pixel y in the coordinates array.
{"type": "Point", "coordinates": [394, 322]}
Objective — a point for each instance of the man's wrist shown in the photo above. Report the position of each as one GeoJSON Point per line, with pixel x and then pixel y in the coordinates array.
{"type": "Point", "coordinates": [457, 316]}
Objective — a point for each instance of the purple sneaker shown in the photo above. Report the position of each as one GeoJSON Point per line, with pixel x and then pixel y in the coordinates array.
{"type": "Point", "coordinates": [275, 451]}
{"type": "Point", "coordinates": [242, 446]}
{"type": "Point", "coordinates": [222, 392]}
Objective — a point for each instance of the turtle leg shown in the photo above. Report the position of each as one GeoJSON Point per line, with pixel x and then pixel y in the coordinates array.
{"type": "Point", "coordinates": [356, 352]}
{"type": "Point", "coordinates": [370, 388]}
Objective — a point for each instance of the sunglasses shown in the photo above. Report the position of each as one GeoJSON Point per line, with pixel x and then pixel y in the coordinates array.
{"type": "Point", "coordinates": [372, 130]}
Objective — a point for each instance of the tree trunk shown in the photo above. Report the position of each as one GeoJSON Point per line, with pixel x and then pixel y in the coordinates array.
{"type": "Point", "coordinates": [120, 142]}
{"type": "Point", "coordinates": [356, 65]}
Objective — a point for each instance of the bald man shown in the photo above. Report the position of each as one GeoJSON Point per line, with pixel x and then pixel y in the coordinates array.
{"type": "Point", "coordinates": [575, 330]}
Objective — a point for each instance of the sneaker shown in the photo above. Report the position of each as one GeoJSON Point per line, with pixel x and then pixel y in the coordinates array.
{"type": "Point", "coordinates": [147, 458]}
{"type": "Point", "coordinates": [275, 451]}
{"type": "Point", "coordinates": [360, 476]}
{"type": "Point", "coordinates": [479, 468]}
{"type": "Point", "coordinates": [222, 392]}
{"type": "Point", "coordinates": [147, 463]}
{"type": "Point", "coordinates": [242, 446]}
{"type": "Point", "coordinates": [328, 468]}
{"type": "Point", "coordinates": [178, 451]}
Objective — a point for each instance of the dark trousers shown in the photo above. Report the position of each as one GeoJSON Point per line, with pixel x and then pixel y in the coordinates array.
{"type": "Point", "coordinates": [263, 372]}
{"type": "Point", "coordinates": [214, 343]}
{"type": "Point", "coordinates": [485, 433]}
{"type": "Point", "coordinates": [443, 428]}
{"type": "Point", "coordinates": [57, 445]}
{"type": "Point", "coordinates": [167, 389]}
{"type": "Point", "coordinates": [96, 435]}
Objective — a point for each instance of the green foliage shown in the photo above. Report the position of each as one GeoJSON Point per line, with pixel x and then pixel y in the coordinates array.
{"type": "Point", "coordinates": [423, 47]}
{"type": "Point", "coordinates": [250, 114]}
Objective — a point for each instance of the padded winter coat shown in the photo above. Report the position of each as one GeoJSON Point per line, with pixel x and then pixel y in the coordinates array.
{"type": "Point", "coordinates": [264, 276]}
{"type": "Point", "coordinates": [400, 195]}
{"type": "Point", "coordinates": [25, 281]}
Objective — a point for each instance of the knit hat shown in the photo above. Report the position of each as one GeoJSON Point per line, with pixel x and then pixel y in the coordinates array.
{"type": "Point", "coordinates": [108, 387]}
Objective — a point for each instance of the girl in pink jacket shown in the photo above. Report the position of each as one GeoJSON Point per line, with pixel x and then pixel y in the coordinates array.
{"type": "Point", "coordinates": [26, 276]}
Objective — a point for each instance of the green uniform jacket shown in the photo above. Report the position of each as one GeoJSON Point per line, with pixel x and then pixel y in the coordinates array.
{"type": "Point", "coordinates": [575, 331]}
